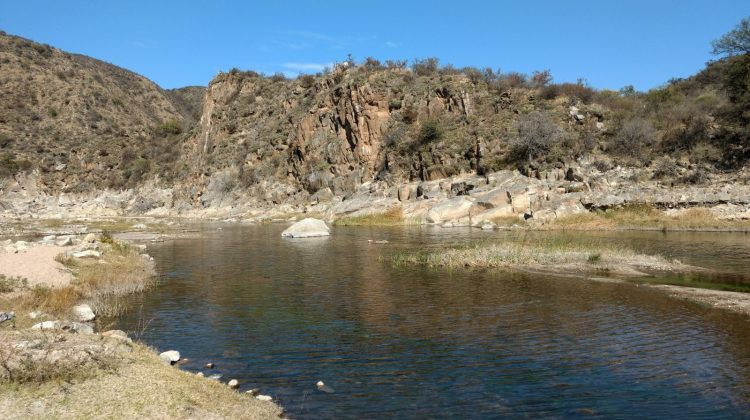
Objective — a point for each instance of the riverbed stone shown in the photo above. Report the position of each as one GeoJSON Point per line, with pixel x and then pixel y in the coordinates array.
{"type": "Point", "coordinates": [64, 241]}
{"type": "Point", "coordinates": [307, 228]}
{"type": "Point", "coordinates": [75, 327]}
{"type": "Point", "coordinates": [83, 313]}
{"type": "Point", "coordinates": [89, 253]}
{"type": "Point", "coordinates": [117, 334]}
{"type": "Point", "coordinates": [170, 356]}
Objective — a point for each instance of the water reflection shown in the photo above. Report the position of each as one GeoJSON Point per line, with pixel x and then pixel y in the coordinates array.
{"type": "Point", "coordinates": [415, 342]}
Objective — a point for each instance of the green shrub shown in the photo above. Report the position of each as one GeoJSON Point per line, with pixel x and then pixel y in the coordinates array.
{"type": "Point", "coordinates": [430, 132]}
{"type": "Point", "coordinates": [171, 127]}
{"type": "Point", "coordinates": [425, 67]}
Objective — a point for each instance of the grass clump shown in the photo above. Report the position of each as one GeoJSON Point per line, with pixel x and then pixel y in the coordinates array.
{"type": "Point", "coordinates": [11, 284]}
{"type": "Point", "coordinates": [123, 270]}
{"type": "Point", "coordinates": [392, 217]}
{"type": "Point", "coordinates": [643, 216]}
{"type": "Point", "coordinates": [560, 253]}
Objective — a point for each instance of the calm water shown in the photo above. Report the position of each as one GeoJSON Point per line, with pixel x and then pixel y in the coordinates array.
{"type": "Point", "coordinates": [415, 342]}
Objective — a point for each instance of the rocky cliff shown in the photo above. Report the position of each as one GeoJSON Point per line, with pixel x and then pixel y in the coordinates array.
{"type": "Point", "coordinates": [82, 136]}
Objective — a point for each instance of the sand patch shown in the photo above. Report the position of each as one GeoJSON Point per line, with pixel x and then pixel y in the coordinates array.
{"type": "Point", "coordinates": [38, 265]}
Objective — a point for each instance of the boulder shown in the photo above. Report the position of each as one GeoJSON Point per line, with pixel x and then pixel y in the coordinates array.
{"type": "Point", "coordinates": [64, 241]}
{"type": "Point", "coordinates": [89, 253]}
{"type": "Point", "coordinates": [263, 397]}
{"type": "Point", "coordinates": [170, 356]}
{"type": "Point", "coordinates": [75, 327]}
{"type": "Point", "coordinates": [83, 313]}
{"type": "Point", "coordinates": [90, 238]}
{"type": "Point", "coordinates": [460, 188]}
{"type": "Point", "coordinates": [450, 209]}
{"type": "Point", "coordinates": [494, 198]}
{"type": "Point", "coordinates": [117, 334]}
{"type": "Point", "coordinates": [234, 384]}
{"type": "Point", "coordinates": [307, 228]}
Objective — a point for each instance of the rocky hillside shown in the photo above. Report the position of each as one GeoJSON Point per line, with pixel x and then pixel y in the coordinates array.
{"type": "Point", "coordinates": [74, 125]}
{"type": "Point", "coordinates": [81, 123]}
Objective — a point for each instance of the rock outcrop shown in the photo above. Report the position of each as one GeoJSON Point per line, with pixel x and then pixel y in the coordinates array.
{"type": "Point", "coordinates": [307, 228]}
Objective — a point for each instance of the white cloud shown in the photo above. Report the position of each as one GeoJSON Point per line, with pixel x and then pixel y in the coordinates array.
{"type": "Point", "coordinates": [306, 67]}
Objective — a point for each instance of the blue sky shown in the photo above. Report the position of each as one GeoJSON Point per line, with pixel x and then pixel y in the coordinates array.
{"type": "Point", "coordinates": [178, 43]}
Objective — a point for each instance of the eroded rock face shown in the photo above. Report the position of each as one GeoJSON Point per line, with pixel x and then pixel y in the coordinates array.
{"type": "Point", "coordinates": [454, 208]}
{"type": "Point", "coordinates": [307, 228]}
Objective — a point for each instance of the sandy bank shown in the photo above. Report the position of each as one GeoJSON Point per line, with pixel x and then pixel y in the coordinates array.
{"type": "Point", "coordinates": [37, 264]}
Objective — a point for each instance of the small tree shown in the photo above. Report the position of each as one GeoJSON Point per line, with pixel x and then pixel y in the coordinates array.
{"type": "Point", "coordinates": [537, 134]}
{"type": "Point", "coordinates": [425, 67]}
{"type": "Point", "coordinates": [634, 137]}
{"type": "Point", "coordinates": [540, 79]}
{"type": "Point", "coordinates": [735, 42]}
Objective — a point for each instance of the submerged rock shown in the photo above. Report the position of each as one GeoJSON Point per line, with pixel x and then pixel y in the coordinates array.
{"type": "Point", "coordinates": [324, 388]}
{"type": "Point", "coordinates": [307, 228]}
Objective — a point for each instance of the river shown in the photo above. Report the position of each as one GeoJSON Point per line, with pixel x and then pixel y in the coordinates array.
{"type": "Point", "coordinates": [280, 315]}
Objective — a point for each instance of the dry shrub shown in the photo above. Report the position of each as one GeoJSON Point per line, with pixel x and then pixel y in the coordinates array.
{"type": "Point", "coordinates": [39, 357]}
{"type": "Point", "coordinates": [101, 283]}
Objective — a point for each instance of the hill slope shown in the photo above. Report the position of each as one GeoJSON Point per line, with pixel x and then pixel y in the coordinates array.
{"type": "Point", "coordinates": [83, 123]}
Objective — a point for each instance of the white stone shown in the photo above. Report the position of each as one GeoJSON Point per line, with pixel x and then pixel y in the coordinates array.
{"type": "Point", "coordinates": [89, 253]}
{"type": "Point", "coordinates": [234, 384]}
{"type": "Point", "coordinates": [64, 241]}
{"type": "Point", "coordinates": [307, 228]}
{"type": "Point", "coordinates": [170, 356]}
{"type": "Point", "coordinates": [263, 397]}
{"type": "Point", "coordinates": [90, 238]}
{"type": "Point", "coordinates": [64, 325]}
{"type": "Point", "coordinates": [83, 313]}
{"type": "Point", "coordinates": [139, 226]}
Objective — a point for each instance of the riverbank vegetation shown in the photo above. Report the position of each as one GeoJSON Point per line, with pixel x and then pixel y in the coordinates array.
{"type": "Point", "coordinates": [103, 377]}
{"type": "Point", "coordinates": [560, 253]}
{"type": "Point", "coordinates": [392, 217]}
{"type": "Point", "coordinates": [646, 217]}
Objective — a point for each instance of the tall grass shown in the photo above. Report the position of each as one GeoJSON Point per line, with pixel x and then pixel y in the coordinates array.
{"type": "Point", "coordinates": [525, 251]}
{"type": "Point", "coordinates": [643, 216]}
{"type": "Point", "coordinates": [123, 270]}
{"type": "Point", "coordinates": [392, 217]}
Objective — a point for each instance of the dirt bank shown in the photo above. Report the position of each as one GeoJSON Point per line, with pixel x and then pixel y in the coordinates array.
{"type": "Point", "coordinates": [38, 265]}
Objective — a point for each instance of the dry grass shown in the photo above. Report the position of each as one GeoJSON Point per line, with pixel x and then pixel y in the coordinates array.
{"type": "Point", "coordinates": [140, 387]}
{"type": "Point", "coordinates": [509, 221]}
{"type": "Point", "coordinates": [559, 253]}
{"type": "Point", "coordinates": [642, 216]}
{"type": "Point", "coordinates": [35, 357]}
{"type": "Point", "coordinates": [392, 217]}
{"type": "Point", "coordinates": [100, 283]}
